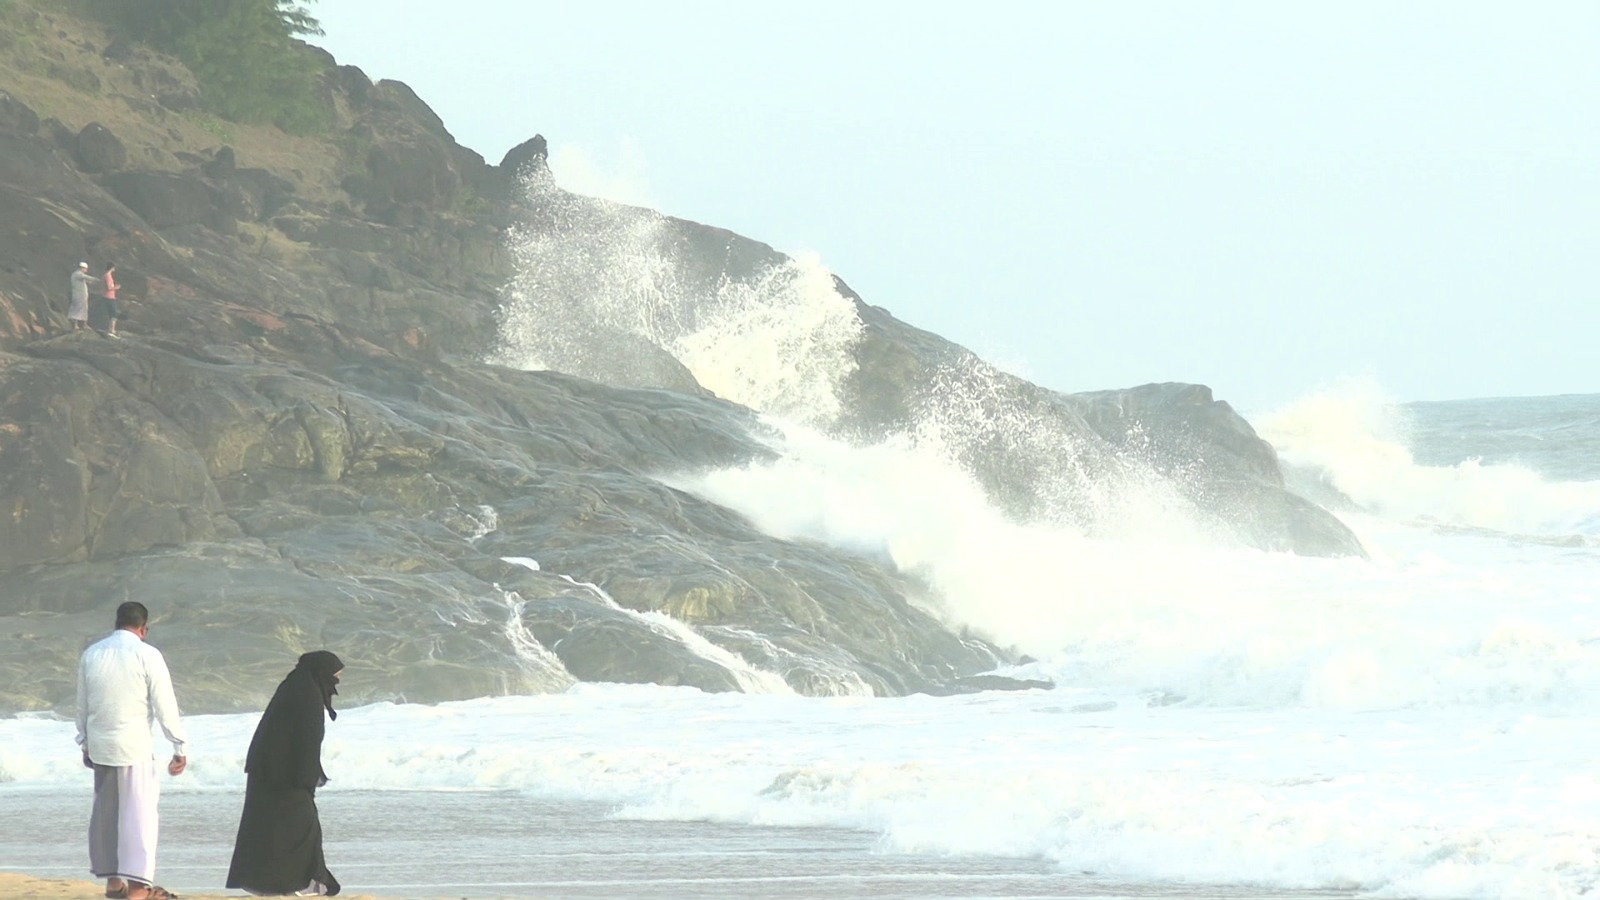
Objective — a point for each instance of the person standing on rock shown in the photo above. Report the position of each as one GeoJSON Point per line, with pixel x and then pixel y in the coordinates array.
{"type": "Point", "coordinates": [124, 686]}
{"type": "Point", "coordinates": [109, 298]}
{"type": "Point", "coordinates": [78, 306]}
{"type": "Point", "coordinates": [279, 846]}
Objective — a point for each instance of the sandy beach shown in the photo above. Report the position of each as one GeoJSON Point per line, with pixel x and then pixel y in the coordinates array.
{"type": "Point", "coordinates": [26, 887]}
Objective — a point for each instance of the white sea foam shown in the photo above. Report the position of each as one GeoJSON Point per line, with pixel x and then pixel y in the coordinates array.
{"type": "Point", "coordinates": [1214, 626]}
{"type": "Point", "coordinates": [749, 678]}
{"type": "Point", "coordinates": [1443, 804]}
{"type": "Point", "coordinates": [532, 655]}
{"type": "Point", "coordinates": [1357, 438]}
{"type": "Point", "coordinates": [780, 343]}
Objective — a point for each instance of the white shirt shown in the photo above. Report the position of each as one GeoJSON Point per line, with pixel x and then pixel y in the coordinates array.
{"type": "Point", "coordinates": [124, 686]}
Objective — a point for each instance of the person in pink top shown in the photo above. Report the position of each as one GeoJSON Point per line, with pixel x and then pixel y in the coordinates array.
{"type": "Point", "coordinates": [112, 313]}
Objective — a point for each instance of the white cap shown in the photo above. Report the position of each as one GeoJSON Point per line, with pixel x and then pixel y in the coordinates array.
{"type": "Point", "coordinates": [83, 265]}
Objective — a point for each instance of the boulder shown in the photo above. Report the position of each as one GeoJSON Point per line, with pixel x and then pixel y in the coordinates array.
{"type": "Point", "coordinates": [17, 117]}
{"type": "Point", "coordinates": [221, 164]}
{"type": "Point", "coordinates": [98, 150]}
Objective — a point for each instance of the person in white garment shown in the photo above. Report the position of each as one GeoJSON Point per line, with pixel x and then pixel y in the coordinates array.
{"type": "Point", "coordinates": [78, 302]}
{"type": "Point", "coordinates": [124, 687]}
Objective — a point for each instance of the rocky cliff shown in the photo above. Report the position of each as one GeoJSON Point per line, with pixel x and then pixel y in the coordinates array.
{"type": "Point", "coordinates": [302, 442]}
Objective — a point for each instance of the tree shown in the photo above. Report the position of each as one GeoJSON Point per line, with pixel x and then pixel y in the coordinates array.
{"type": "Point", "coordinates": [244, 53]}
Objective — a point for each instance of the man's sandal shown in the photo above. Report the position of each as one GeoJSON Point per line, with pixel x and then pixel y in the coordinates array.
{"type": "Point", "coordinates": [117, 893]}
{"type": "Point", "coordinates": [155, 892]}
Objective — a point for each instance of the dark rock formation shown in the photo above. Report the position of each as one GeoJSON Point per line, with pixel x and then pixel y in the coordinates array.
{"type": "Point", "coordinates": [529, 157]}
{"type": "Point", "coordinates": [298, 446]}
{"type": "Point", "coordinates": [1218, 462]}
{"type": "Point", "coordinates": [99, 150]}
{"type": "Point", "coordinates": [1067, 457]}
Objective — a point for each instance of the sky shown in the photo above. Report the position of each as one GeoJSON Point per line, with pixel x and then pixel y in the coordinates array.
{"type": "Point", "coordinates": [1269, 198]}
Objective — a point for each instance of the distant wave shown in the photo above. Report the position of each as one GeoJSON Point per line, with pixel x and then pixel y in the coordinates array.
{"type": "Point", "coordinates": [1354, 440]}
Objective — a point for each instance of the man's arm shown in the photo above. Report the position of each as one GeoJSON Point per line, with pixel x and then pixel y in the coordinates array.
{"type": "Point", "coordinates": [165, 705]}
{"type": "Point", "coordinates": [83, 713]}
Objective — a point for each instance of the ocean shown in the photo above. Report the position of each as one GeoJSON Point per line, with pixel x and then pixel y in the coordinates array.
{"type": "Point", "coordinates": [1226, 722]}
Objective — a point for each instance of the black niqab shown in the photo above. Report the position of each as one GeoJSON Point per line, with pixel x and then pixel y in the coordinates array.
{"type": "Point", "coordinates": [324, 668]}
{"type": "Point", "coordinates": [279, 846]}
{"type": "Point", "coordinates": [287, 747]}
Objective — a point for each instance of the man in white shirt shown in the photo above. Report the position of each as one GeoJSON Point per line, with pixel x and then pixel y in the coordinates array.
{"type": "Point", "coordinates": [124, 686]}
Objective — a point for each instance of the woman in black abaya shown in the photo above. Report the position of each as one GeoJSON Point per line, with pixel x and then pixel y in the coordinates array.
{"type": "Point", "coordinates": [279, 848]}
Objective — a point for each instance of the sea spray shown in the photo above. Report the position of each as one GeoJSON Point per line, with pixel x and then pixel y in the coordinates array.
{"type": "Point", "coordinates": [995, 483]}
{"type": "Point", "coordinates": [1213, 626]}
{"type": "Point", "coordinates": [780, 343]}
{"type": "Point", "coordinates": [1041, 463]}
{"type": "Point", "coordinates": [1036, 587]}
{"type": "Point", "coordinates": [1357, 441]}
{"type": "Point", "coordinates": [601, 292]}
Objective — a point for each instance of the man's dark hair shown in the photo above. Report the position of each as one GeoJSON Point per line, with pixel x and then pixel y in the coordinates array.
{"type": "Point", "coordinates": [132, 615]}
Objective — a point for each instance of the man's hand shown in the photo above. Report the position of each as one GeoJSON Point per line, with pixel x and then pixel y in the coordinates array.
{"type": "Point", "coordinates": [178, 764]}
{"type": "Point", "coordinates": [87, 763]}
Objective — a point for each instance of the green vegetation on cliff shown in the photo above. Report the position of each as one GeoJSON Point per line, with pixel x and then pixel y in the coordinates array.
{"type": "Point", "coordinates": [244, 53]}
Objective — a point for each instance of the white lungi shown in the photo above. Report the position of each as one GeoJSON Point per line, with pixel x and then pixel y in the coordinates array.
{"type": "Point", "coordinates": [125, 822]}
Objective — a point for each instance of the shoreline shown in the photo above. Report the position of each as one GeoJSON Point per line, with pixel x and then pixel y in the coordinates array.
{"type": "Point", "coordinates": [509, 846]}
{"type": "Point", "coordinates": [19, 886]}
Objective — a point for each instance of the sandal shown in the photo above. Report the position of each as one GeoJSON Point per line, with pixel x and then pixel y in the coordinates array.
{"type": "Point", "coordinates": [155, 892]}
{"type": "Point", "coordinates": [117, 893]}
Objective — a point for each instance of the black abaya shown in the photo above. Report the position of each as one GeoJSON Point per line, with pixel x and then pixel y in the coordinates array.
{"type": "Point", "coordinates": [279, 847]}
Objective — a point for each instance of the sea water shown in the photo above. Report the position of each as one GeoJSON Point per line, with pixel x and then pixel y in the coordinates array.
{"type": "Point", "coordinates": [1417, 724]}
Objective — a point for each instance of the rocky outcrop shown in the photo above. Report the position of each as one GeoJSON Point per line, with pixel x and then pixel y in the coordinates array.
{"type": "Point", "coordinates": [531, 157]}
{"type": "Point", "coordinates": [369, 505]}
{"type": "Point", "coordinates": [1213, 456]}
{"type": "Point", "coordinates": [1069, 457]}
{"type": "Point", "coordinates": [297, 444]}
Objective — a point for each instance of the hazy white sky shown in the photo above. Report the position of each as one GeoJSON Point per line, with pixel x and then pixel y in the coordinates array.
{"type": "Point", "coordinates": [1263, 197]}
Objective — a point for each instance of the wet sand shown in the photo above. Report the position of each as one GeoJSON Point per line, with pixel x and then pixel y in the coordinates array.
{"type": "Point", "coordinates": [493, 846]}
